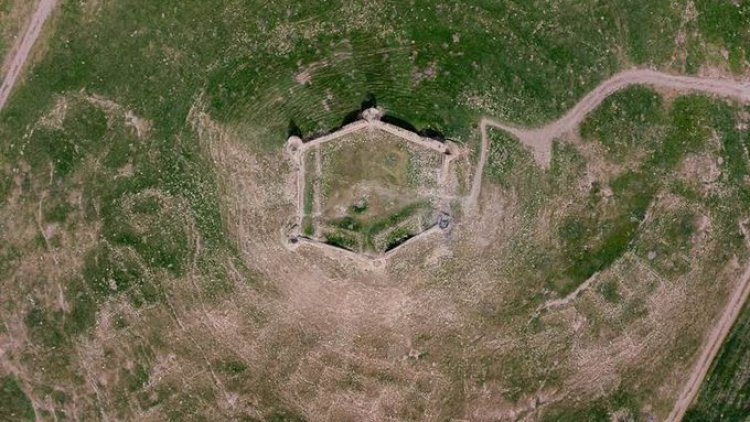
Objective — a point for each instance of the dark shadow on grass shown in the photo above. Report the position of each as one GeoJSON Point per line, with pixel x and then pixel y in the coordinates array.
{"type": "Point", "coordinates": [350, 117]}
{"type": "Point", "coordinates": [396, 243]}
{"type": "Point", "coordinates": [293, 129]}
{"type": "Point", "coordinates": [396, 121]}
{"type": "Point", "coordinates": [369, 102]}
{"type": "Point", "coordinates": [432, 133]}
{"type": "Point", "coordinates": [406, 125]}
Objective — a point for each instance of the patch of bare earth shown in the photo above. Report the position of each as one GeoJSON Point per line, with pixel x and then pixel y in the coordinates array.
{"type": "Point", "coordinates": [40, 274]}
{"type": "Point", "coordinates": [49, 257]}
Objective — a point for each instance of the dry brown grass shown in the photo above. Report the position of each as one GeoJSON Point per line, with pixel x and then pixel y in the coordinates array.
{"type": "Point", "coordinates": [446, 331]}
{"type": "Point", "coordinates": [365, 321]}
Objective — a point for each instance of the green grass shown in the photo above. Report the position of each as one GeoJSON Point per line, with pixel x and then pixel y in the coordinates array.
{"type": "Point", "coordinates": [377, 180]}
{"type": "Point", "coordinates": [55, 329]}
{"type": "Point", "coordinates": [398, 237]}
{"type": "Point", "coordinates": [307, 226]}
{"type": "Point", "coordinates": [43, 328]}
{"type": "Point", "coordinates": [309, 197]}
{"type": "Point", "coordinates": [636, 121]}
{"type": "Point", "coordinates": [726, 24]}
{"type": "Point", "coordinates": [512, 166]}
{"type": "Point", "coordinates": [609, 291]}
{"type": "Point", "coordinates": [590, 242]}
{"type": "Point", "coordinates": [110, 271]}
{"type": "Point", "coordinates": [14, 405]}
{"type": "Point", "coordinates": [378, 225]}
{"type": "Point", "coordinates": [232, 367]}
{"type": "Point", "coordinates": [162, 243]}
{"type": "Point", "coordinates": [599, 410]}
{"type": "Point", "coordinates": [692, 119]}
{"type": "Point", "coordinates": [626, 122]}
{"type": "Point", "coordinates": [724, 393]}
{"type": "Point", "coordinates": [368, 228]}
{"type": "Point", "coordinates": [668, 240]}
{"type": "Point", "coordinates": [309, 188]}
{"type": "Point", "coordinates": [240, 68]}
{"type": "Point", "coordinates": [82, 133]}
{"type": "Point", "coordinates": [359, 208]}
{"type": "Point", "coordinates": [5, 44]}
{"type": "Point", "coordinates": [690, 122]}
{"type": "Point", "coordinates": [239, 82]}
{"type": "Point", "coordinates": [596, 233]}
{"type": "Point", "coordinates": [347, 223]}
{"type": "Point", "coordinates": [341, 239]}
{"type": "Point", "coordinates": [594, 242]}
{"type": "Point", "coordinates": [632, 124]}
{"type": "Point", "coordinates": [83, 307]}
{"type": "Point", "coordinates": [384, 161]}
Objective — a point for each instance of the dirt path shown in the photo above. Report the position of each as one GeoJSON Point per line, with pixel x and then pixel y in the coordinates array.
{"type": "Point", "coordinates": [712, 346]}
{"type": "Point", "coordinates": [563, 301]}
{"type": "Point", "coordinates": [540, 139]}
{"type": "Point", "coordinates": [20, 51]}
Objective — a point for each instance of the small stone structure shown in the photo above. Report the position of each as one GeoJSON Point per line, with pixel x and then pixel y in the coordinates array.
{"type": "Point", "coordinates": [444, 221]}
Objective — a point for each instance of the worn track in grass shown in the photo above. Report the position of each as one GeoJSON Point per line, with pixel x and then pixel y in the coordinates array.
{"type": "Point", "coordinates": [715, 340]}
{"type": "Point", "coordinates": [20, 52]}
{"type": "Point", "coordinates": [540, 139]}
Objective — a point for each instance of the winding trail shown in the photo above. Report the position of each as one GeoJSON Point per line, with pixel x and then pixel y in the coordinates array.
{"type": "Point", "coordinates": [20, 52]}
{"type": "Point", "coordinates": [540, 139]}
